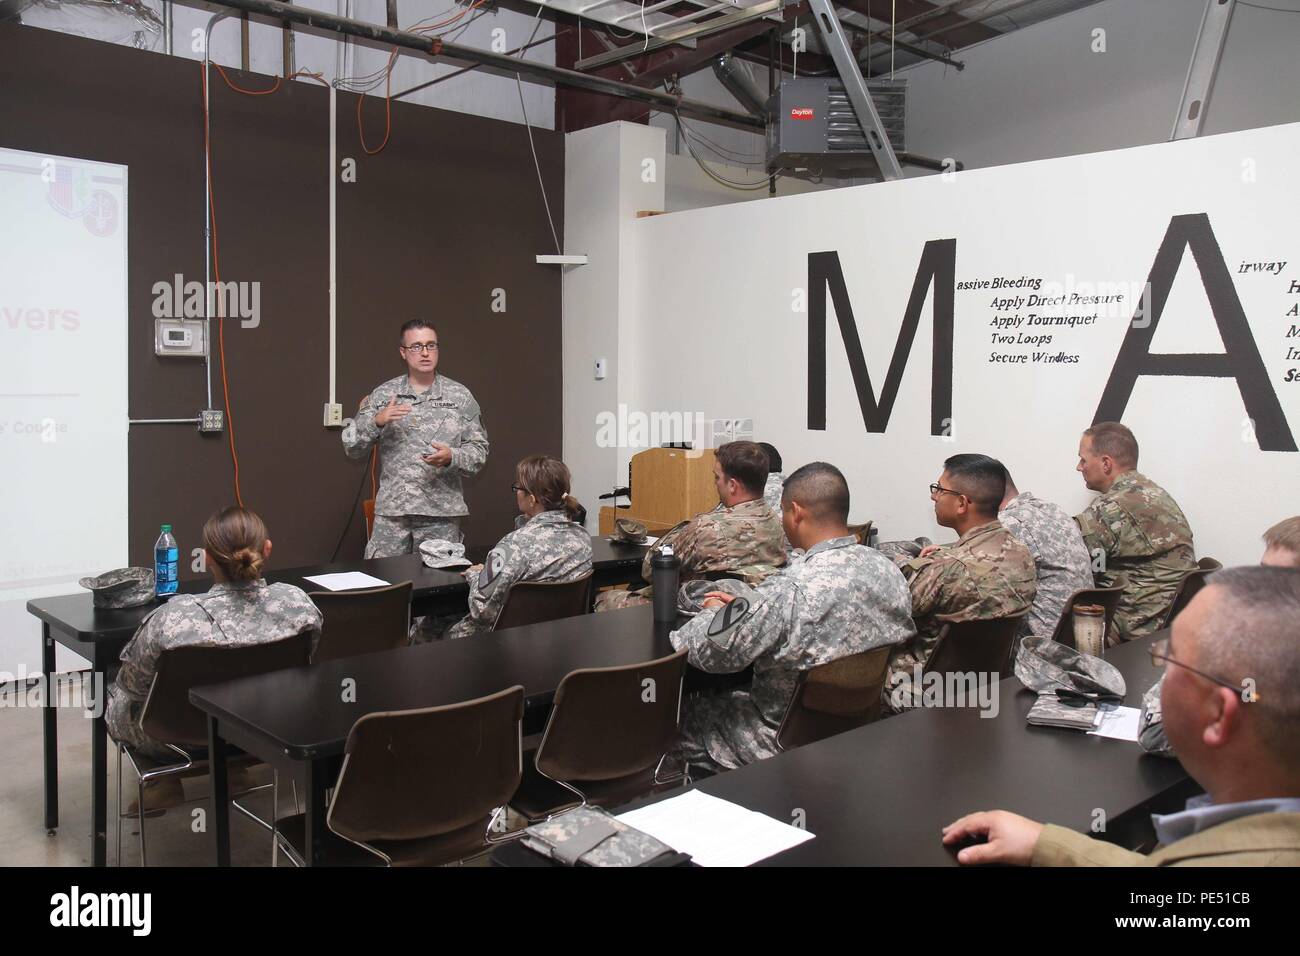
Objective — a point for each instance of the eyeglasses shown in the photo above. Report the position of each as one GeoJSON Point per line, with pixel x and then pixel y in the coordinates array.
{"type": "Point", "coordinates": [421, 347]}
{"type": "Point", "coordinates": [938, 489]}
{"type": "Point", "coordinates": [1159, 651]}
{"type": "Point", "coordinates": [520, 489]}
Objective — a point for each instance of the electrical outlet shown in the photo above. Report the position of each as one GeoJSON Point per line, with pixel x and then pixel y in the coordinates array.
{"type": "Point", "coordinates": [333, 415]}
{"type": "Point", "coordinates": [212, 420]}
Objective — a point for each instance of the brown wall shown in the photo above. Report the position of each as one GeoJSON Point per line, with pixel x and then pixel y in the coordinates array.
{"type": "Point", "coordinates": [447, 212]}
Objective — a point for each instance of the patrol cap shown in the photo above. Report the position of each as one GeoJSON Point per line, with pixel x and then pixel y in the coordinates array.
{"type": "Point", "coordinates": [121, 588]}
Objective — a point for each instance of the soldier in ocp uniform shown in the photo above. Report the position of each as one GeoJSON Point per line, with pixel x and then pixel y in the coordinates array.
{"type": "Point", "coordinates": [240, 609]}
{"type": "Point", "coordinates": [741, 536]}
{"type": "Point", "coordinates": [1133, 528]}
{"type": "Point", "coordinates": [549, 543]}
{"type": "Point", "coordinates": [984, 575]}
{"type": "Point", "coordinates": [1060, 559]}
{"type": "Point", "coordinates": [834, 599]}
{"type": "Point", "coordinates": [430, 434]}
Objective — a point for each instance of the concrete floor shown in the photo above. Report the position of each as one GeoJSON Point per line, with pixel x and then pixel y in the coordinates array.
{"type": "Point", "coordinates": [171, 837]}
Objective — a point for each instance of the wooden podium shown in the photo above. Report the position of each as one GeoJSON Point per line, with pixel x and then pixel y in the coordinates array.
{"type": "Point", "coordinates": [668, 485]}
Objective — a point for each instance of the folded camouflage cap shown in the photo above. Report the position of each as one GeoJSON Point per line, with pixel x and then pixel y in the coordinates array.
{"type": "Point", "coordinates": [124, 587]}
{"type": "Point", "coordinates": [690, 597]}
{"type": "Point", "coordinates": [1043, 664]}
{"type": "Point", "coordinates": [629, 530]}
{"type": "Point", "coordinates": [590, 836]}
{"type": "Point", "coordinates": [438, 553]}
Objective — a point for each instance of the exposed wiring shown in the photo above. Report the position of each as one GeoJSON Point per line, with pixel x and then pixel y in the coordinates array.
{"type": "Point", "coordinates": [351, 511]}
{"type": "Point", "coordinates": [761, 184]}
{"type": "Point", "coordinates": [519, 84]}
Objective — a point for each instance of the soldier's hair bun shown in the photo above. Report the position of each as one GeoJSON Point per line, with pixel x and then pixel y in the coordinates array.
{"type": "Point", "coordinates": [234, 538]}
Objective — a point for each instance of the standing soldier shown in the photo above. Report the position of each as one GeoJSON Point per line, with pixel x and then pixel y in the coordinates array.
{"type": "Point", "coordinates": [430, 435]}
{"type": "Point", "coordinates": [740, 536]}
{"type": "Point", "coordinates": [835, 598]}
{"type": "Point", "coordinates": [984, 575]}
{"type": "Point", "coordinates": [1134, 527]}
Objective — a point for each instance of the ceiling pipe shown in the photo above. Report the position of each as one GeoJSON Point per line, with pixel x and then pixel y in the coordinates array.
{"type": "Point", "coordinates": [435, 47]}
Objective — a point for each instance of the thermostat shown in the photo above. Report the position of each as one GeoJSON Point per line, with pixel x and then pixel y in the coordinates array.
{"type": "Point", "coordinates": [183, 337]}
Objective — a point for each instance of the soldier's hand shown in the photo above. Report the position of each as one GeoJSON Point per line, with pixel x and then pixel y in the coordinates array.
{"type": "Point", "coordinates": [929, 549]}
{"type": "Point", "coordinates": [472, 570]}
{"type": "Point", "coordinates": [441, 456]}
{"type": "Point", "coordinates": [716, 599]}
{"type": "Point", "coordinates": [391, 412]}
{"type": "Point", "coordinates": [1008, 838]}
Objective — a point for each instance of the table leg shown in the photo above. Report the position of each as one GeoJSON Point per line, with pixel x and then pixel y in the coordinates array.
{"type": "Point", "coordinates": [50, 728]}
{"type": "Point", "coordinates": [220, 822]}
{"type": "Point", "coordinates": [98, 769]}
{"type": "Point", "coordinates": [314, 851]}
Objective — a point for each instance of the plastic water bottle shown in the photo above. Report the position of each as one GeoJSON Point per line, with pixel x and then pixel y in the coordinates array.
{"type": "Point", "coordinates": [166, 561]}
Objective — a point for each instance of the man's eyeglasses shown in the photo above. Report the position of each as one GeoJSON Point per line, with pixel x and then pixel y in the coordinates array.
{"type": "Point", "coordinates": [1159, 651]}
{"type": "Point", "coordinates": [519, 488]}
{"type": "Point", "coordinates": [421, 347]}
{"type": "Point", "coordinates": [938, 489]}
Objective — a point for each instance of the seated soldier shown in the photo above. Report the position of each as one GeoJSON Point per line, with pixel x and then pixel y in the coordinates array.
{"type": "Point", "coordinates": [985, 574]}
{"type": "Point", "coordinates": [1133, 528]}
{"type": "Point", "coordinates": [549, 543]}
{"type": "Point", "coordinates": [241, 608]}
{"type": "Point", "coordinates": [1060, 559]}
{"type": "Point", "coordinates": [835, 598]}
{"type": "Point", "coordinates": [741, 536]}
{"type": "Point", "coordinates": [772, 488]}
{"type": "Point", "coordinates": [1282, 544]}
{"type": "Point", "coordinates": [1243, 748]}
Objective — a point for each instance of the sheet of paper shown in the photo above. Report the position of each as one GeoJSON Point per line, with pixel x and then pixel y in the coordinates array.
{"type": "Point", "coordinates": [649, 542]}
{"type": "Point", "coordinates": [346, 581]}
{"type": "Point", "coordinates": [1121, 723]}
{"type": "Point", "coordinates": [715, 832]}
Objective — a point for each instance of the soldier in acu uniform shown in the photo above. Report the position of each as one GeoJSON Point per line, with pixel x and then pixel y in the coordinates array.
{"type": "Point", "coordinates": [1060, 559]}
{"type": "Point", "coordinates": [834, 599]}
{"type": "Point", "coordinates": [1134, 528]}
{"type": "Point", "coordinates": [240, 609]}
{"type": "Point", "coordinates": [549, 543]}
{"type": "Point", "coordinates": [985, 574]}
{"type": "Point", "coordinates": [741, 535]}
{"type": "Point", "coordinates": [430, 435]}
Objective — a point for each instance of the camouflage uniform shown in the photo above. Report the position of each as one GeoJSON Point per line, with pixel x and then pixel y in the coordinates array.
{"type": "Point", "coordinates": [1142, 533]}
{"type": "Point", "coordinates": [1060, 559]}
{"type": "Point", "coordinates": [837, 598]}
{"type": "Point", "coordinates": [232, 614]}
{"type": "Point", "coordinates": [545, 547]}
{"type": "Point", "coordinates": [744, 539]}
{"type": "Point", "coordinates": [985, 574]}
{"type": "Point", "coordinates": [772, 495]}
{"type": "Point", "coordinates": [1152, 736]}
{"type": "Point", "coordinates": [417, 501]}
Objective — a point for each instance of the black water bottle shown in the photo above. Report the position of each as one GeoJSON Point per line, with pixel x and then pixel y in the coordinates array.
{"type": "Point", "coordinates": [665, 569]}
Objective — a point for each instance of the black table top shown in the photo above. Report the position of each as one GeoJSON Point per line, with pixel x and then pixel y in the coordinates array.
{"type": "Point", "coordinates": [879, 795]}
{"type": "Point", "coordinates": [76, 614]}
{"type": "Point", "coordinates": [301, 711]}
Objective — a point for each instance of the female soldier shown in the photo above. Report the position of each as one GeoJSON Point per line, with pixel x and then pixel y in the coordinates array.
{"type": "Point", "coordinates": [549, 543]}
{"type": "Point", "coordinates": [240, 609]}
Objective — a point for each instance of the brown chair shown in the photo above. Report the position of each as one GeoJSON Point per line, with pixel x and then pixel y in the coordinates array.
{"type": "Point", "coordinates": [834, 697]}
{"type": "Point", "coordinates": [975, 646]}
{"type": "Point", "coordinates": [605, 742]}
{"type": "Point", "coordinates": [363, 622]}
{"type": "Point", "coordinates": [533, 602]}
{"type": "Point", "coordinates": [1192, 582]}
{"type": "Point", "coordinates": [1108, 598]}
{"type": "Point", "coordinates": [169, 718]}
{"type": "Point", "coordinates": [422, 787]}
{"type": "Point", "coordinates": [368, 508]}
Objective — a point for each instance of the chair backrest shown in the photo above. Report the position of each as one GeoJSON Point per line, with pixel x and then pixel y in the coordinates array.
{"type": "Point", "coordinates": [975, 647]}
{"type": "Point", "coordinates": [834, 697]}
{"type": "Point", "coordinates": [363, 622]}
{"type": "Point", "coordinates": [1106, 597]}
{"type": "Point", "coordinates": [610, 722]}
{"type": "Point", "coordinates": [420, 773]}
{"type": "Point", "coordinates": [168, 715]}
{"type": "Point", "coordinates": [1192, 582]}
{"type": "Point", "coordinates": [533, 602]}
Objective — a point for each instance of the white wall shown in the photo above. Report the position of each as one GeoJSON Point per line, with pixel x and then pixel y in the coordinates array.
{"type": "Point", "coordinates": [1042, 92]}
{"type": "Point", "coordinates": [718, 305]}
